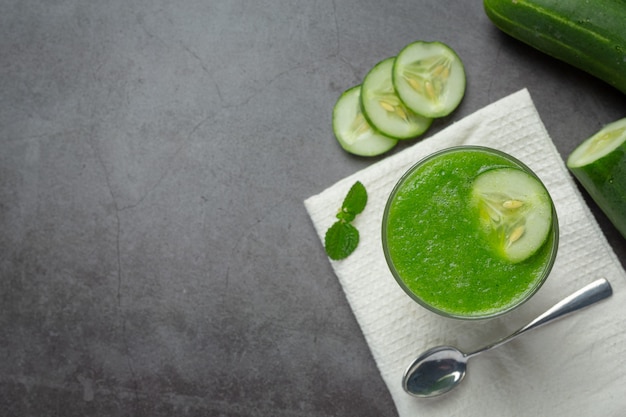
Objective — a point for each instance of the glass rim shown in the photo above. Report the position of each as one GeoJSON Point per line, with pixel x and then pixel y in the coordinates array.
{"type": "Point", "coordinates": [554, 237]}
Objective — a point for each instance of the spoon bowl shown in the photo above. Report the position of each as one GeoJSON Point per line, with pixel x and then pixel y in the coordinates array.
{"type": "Point", "coordinates": [435, 372]}
{"type": "Point", "coordinates": [440, 369]}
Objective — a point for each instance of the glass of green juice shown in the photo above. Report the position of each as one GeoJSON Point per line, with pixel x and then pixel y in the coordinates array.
{"type": "Point", "coordinates": [470, 232]}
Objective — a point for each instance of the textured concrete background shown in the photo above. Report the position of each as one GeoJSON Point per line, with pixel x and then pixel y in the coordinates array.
{"type": "Point", "coordinates": [155, 255]}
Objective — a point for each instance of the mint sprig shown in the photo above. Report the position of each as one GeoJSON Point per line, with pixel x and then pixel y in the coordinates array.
{"type": "Point", "coordinates": [342, 238]}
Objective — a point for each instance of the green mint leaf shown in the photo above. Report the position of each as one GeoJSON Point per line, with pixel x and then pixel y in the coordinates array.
{"type": "Point", "coordinates": [341, 240]}
{"type": "Point", "coordinates": [356, 200]}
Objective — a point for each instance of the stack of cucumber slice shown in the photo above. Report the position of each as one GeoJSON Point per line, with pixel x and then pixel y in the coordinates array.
{"type": "Point", "coordinates": [399, 98]}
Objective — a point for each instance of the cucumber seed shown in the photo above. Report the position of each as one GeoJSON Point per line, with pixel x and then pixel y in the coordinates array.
{"type": "Point", "coordinates": [512, 204]}
{"type": "Point", "coordinates": [516, 234]}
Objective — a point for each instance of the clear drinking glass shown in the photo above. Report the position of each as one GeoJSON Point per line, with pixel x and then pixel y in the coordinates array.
{"type": "Point", "coordinates": [435, 251]}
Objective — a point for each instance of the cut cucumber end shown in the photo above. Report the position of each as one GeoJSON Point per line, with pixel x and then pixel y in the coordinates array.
{"type": "Point", "coordinates": [383, 108]}
{"type": "Point", "coordinates": [515, 212]}
{"type": "Point", "coordinates": [353, 132]}
{"type": "Point", "coordinates": [599, 145]}
{"type": "Point", "coordinates": [429, 78]}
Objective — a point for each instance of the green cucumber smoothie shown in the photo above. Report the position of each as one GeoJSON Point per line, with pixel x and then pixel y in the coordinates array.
{"type": "Point", "coordinates": [470, 232]}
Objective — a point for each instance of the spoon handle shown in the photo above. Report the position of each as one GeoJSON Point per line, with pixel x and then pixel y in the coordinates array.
{"type": "Point", "coordinates": [586, 296]}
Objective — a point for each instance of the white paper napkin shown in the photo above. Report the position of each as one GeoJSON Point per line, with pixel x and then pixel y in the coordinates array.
{"type": "Point", "coordinates": [573, 367]}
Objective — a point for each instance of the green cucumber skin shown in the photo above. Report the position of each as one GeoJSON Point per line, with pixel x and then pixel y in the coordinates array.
{"type": "Point", "coordinates": [605, 181]}
{"type": "Point", "coordinates": [590, 35]}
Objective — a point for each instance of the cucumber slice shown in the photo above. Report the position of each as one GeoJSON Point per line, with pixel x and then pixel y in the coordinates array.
{"type": "Point", "coordinates": [352, 130]}
{"type": "Point", "coordinates": [429, 77]}
{"type": "Point", "coordinates": [383, 108]}
{"type": "Point", "coordinates": [599, 164]}
{"type": "Point", "coordinates": [515, 211]}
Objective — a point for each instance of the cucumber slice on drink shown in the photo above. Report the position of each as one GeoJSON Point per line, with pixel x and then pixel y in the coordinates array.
{"type": "Point", "coordinates": [429, 78]}
{"type": "Point", "coordinates": [383, 108]}
{"type": "Point", "coordinates": [352, 130]}
{"type": "Point", "coordinates": [599, 164]}
{"type": "Point", "coordinates": [515, 212]}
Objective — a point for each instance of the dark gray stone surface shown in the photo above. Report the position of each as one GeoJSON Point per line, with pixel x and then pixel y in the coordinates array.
{"type": "Point", "coordinates": [155, 255]}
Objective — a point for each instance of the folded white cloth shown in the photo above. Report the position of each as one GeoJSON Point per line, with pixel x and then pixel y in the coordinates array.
{"type": "Point", "coordinates": [573, 367]}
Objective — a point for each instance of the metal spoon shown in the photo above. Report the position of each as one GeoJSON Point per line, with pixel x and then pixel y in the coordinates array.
{"type": "Point", "coordinates": [442, 368]}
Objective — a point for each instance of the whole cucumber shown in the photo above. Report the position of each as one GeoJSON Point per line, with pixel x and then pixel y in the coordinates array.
{"type": "Point", "coordinates": [590, 35]}
{"type": "Point", "coordinates": [599, 164]}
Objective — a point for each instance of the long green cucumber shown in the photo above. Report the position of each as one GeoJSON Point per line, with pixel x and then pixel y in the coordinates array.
{"type": "Point", "coordinates": [599, 164]}
{"type": "Point", "coordinates": [588, 34]}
